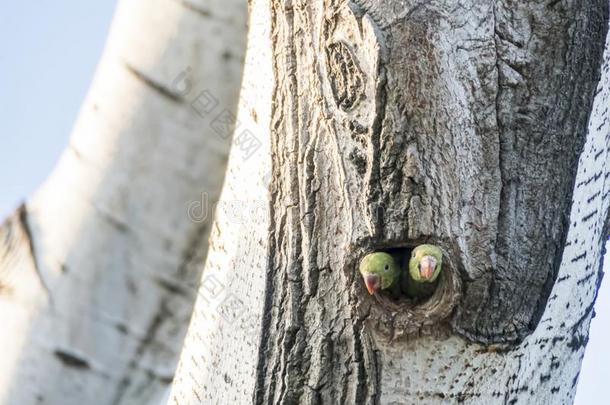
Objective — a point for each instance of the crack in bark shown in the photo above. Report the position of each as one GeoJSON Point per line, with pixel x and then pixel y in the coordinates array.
{"type": "Point", "coordinates": [193, 255]}
{"type": "Point", "coordinates": [157, 87]}
{"type": "Point", "coordinates": [203, 13]}
{"type": "Point", "coordinates": [197, 10]}
{"type": "Point", "coordinates": [143, 346]}
{"type": "Point", "coordinates": [22, 215]}
{"type": "Point", "coordinates": [72, 359]}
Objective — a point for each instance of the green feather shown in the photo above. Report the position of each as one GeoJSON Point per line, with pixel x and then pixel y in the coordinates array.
{"type": "Point", "coordinates": [383, 265]}
{"type": "Point", "coordinates": [414, 284]}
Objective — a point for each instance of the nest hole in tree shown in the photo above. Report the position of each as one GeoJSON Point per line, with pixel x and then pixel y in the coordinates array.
{"type": "Point", "coordinates": [395, 317]}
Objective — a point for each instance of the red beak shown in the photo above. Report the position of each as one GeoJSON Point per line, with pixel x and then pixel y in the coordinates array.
{"type": "Point", "coordinates": [372, 282]}
{"type": "Point", "coordinates": [426, 267]}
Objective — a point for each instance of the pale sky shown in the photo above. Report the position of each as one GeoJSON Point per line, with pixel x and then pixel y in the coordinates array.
{"type": "Point", "coordinates": [49, 50]}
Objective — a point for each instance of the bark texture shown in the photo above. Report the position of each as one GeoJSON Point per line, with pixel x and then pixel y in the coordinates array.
{"type": "Point", "coordinates": [457, 125]}
{"type": "Point", "coordinates": [480, 126]}
{"type": "Point", "coordinates": [220, 355]}
{"type": "Point", "coordinates": [99, 270]}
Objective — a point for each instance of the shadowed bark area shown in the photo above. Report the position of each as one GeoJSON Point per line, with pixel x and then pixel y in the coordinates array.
{"type": "Point", "coordinates": [398, 124]}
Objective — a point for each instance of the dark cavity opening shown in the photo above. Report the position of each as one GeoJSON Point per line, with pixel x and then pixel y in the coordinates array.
{"type": "Point", "coordinates": [402, 256]}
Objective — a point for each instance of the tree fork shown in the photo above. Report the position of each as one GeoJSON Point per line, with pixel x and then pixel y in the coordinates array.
{"type": "Point", "coordinates": [395, 125]}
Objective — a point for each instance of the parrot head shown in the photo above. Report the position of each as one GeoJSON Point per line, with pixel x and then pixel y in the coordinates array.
{"type": "Point", "coordinates": [425, 263]}
{"type": "Point", "coordinates": [379, 271]}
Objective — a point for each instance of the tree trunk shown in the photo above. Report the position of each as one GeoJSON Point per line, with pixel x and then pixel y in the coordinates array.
{"type": "Point", "coordinates": [483, 128]}
{"type": "Point", "coordinates": [98, 271]}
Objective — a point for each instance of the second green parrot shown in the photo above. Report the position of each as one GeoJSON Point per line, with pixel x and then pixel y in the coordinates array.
{"type": "Point", "coordinates": [424, 268]}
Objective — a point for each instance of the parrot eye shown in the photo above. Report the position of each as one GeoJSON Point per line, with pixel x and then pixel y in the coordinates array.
{"type": "Point", "coordinates": [386, 267]}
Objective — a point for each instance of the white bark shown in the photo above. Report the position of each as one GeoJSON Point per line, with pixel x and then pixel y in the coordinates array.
{"type": "Point", "coordinates": [98, 270]}
{"type": "Point", "coordinates": [220, 359]}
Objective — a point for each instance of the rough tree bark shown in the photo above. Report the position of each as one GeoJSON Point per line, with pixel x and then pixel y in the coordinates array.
{"type": "Point", "coordinates": [480, 126]}
{"type": "Point", "coordinates": [98, 271]}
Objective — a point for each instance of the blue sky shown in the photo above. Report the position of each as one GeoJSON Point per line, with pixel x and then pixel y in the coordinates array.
{"type": "Point", "coordinates": [49, 50]}
{"type": "Point", "coordinates": [48, 53]}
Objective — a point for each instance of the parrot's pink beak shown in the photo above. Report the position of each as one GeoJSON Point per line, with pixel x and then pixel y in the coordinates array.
{"type": "Point", "coordinates": [372, 282]}
{"type": "Point", "coordinates": [426, 267]}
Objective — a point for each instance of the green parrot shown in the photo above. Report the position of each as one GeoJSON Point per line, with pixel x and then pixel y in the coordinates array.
{"type": "Point", "coordinates": [380, 272]}
{"type": "Point", "coordinates": [424, 269]}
